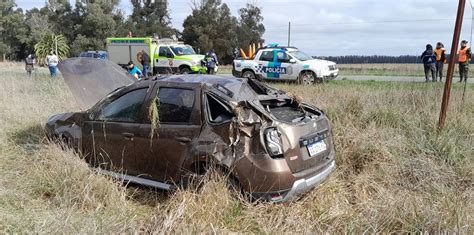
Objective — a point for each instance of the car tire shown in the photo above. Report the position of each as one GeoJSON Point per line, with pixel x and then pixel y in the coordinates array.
{"type": "Point", "coordinates": [249, 74]}
{"type": "Point", "coordinates": [307, 78]}
{"type": "Point", "coordinates": [184, 70]}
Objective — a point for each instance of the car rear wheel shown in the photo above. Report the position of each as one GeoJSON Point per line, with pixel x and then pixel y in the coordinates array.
{"type": "Point", "coordinates": [307, 78]}
{"type": "Point", "coordinates": [249, 75]}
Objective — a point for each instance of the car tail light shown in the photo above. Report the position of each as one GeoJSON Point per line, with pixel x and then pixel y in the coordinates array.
{"type": "Point", "coordinates": [273, 142]}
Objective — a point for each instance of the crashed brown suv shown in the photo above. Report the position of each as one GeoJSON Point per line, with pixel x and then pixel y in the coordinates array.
{"type": "Point", "coordinates": [155, 132]}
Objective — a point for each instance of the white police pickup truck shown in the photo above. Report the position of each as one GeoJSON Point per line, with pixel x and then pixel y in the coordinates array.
{"type": "Point", "coordinates": [285, 63]}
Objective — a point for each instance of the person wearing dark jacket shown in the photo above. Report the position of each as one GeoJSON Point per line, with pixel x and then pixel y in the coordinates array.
{"type": "Point", "coordinates": [429, 61]}
{"type": "Point", "coordinates": [211, 62]}
{"type": "Point", "coordinates": [29, 64]}
{"type": "Point", "coordinates": [440, 59]}
{"type": "Point", "coordinates": [145, 61]}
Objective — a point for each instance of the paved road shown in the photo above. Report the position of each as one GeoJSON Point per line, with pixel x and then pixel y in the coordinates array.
{"type": "Point", "coordinates": [391, 78]}
{"type": "Point", "coordinates": [381, 78]}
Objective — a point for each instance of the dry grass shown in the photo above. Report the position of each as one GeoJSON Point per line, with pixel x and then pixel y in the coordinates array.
{"type": "Point", "coordinates": [401, 70]}
{"type": "Point", "coordinates": [395, 173]}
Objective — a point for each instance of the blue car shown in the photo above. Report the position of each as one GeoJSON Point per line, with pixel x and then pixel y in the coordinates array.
{"type": "Point", "coordinates": [103, 55]}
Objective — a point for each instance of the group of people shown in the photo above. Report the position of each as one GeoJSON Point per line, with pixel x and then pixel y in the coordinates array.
{"type": "Point", "coordinates": [52, 62]}
{"type": "Point", "coordinates": [434, 60]}
{"type": "Point", "coordinates": [144, 60]}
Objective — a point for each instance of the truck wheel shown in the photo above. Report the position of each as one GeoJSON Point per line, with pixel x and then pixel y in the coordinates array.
{"type": "Point", "coordinates": [248, 74]}
{"type": "Point", "coordinates": [184, 70]}
{"type": "Point", "coordinates": [307, 78]}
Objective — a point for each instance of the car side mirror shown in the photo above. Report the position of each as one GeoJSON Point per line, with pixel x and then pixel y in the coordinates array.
{"type": "Point", "coordinates": [169, 55]}
{"type": "Point", "coordinates": [293, 61]}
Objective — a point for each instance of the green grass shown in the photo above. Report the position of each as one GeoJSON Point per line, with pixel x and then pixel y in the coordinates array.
{"type": "Point", "coordinates": [395, 172]}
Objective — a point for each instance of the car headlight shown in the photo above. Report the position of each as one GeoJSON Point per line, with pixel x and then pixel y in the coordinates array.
{"type": "Point", "coordinates": [273, 142]}
{"type": "Point", "coordinates": [54, 118]}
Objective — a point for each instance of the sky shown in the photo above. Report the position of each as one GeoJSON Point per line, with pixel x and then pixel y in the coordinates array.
{"type": "Point", "coordinates": [343, 27]}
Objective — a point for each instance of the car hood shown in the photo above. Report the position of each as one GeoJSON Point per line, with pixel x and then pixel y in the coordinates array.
{"type": "Point", "coordinates": [59, 117]}
{"type": "Point", "coordinates": [195, 58]}
{"type": "Point", "coordinates": [72, 117]}
{"type": "Point", "coordinates": [92, 79]}
{"type": "Point", "coordinates": [318, 63]}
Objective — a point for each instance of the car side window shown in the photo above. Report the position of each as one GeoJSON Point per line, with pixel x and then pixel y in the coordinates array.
{"type": "Point", "coordinates": [126, 108]}
{"type": "Point", "coordinates": [282, 57]}
{"type": "Point", "coordinates": [164, 51]}
{"type": "Point", "coordinates": [175, 105]}
{"type": "Point", "coordinates": [267, 56]}
{"type": "Point", "coordinates": [218, 112]}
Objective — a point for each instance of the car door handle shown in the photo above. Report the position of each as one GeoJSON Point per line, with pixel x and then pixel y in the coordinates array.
{"type": "Point", "coordinates": [128, 135]}
{"type": "Point", "coordinates": [183, 139]}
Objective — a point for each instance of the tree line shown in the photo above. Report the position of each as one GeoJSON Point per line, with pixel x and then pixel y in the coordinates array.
{"type": "Point", "coordinates": [375, 59]}
{"type": "Point", "coordinates": [86, 25]}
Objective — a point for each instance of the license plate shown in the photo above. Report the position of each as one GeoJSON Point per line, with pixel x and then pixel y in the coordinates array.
{"type": "Point", "coordinates": [316, 148]}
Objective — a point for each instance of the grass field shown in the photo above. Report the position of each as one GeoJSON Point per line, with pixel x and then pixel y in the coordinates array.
{"type": "Point", "coordinates": [395, 172]}
{"type": "Point", "coordinates": [402, 70]}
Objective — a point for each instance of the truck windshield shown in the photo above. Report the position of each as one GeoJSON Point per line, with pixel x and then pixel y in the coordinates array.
{"type": "Point", "coordinates": [301, 56]}
{"type": "Point", "coordinates": [183, 50]}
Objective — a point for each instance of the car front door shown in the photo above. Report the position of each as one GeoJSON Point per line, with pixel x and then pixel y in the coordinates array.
{"type": "Point", "coordinates": [283, 68]}
{"type": "Point", "coordinates": [165, 60]}
{"type": "Point", "coordinates": [109, 137]}
{"type": "Point", "coordinates": [165, 145]}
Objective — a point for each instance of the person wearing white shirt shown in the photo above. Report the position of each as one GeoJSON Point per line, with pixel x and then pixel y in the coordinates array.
{"type": "Point", "coordinates": [52, 61]}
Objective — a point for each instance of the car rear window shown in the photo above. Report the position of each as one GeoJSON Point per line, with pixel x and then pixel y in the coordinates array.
{"type": "Point", "coordinates": [176, 105]}
{"type": "Point", "coordinates": [267, 56]}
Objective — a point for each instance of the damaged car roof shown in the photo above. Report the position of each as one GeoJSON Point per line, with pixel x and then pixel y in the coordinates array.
{"type": "Point", "coordinates": [237, 89]}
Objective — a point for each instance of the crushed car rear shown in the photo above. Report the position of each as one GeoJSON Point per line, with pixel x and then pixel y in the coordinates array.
{"type": "Point", "coordinates": [299, 149]}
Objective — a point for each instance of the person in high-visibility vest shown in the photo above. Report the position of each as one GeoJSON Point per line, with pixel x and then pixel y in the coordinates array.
{"type": "Point", "coordinates": [440, 53]}
{"type": "Point", "coordinates": [464, 57]}
{"type": "Point", "coordinates": [429, 61]}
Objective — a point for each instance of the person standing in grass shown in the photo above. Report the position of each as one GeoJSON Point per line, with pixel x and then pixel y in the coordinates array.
{"type": "Point", "coordinates": [440, 59]}
{"type": "Point", "coordinates": [52, 62]}
{"type": "Point", "coordinates": [429, 61]}
{"type": "Point", "coordinates": [464, 57]}
{"type": "Point", "coordinates": [29, 64]}
{"type": "Point", "coordinates": [211, 61]}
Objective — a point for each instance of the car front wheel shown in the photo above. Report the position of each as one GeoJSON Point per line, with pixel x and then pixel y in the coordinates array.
{"type": "Point", "coordinates": [307, 78]}
{"type": "Point", "coordinates": [185, 70]}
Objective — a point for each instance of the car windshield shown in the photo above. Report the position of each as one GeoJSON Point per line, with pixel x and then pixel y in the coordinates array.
{"type": "Point", "coordinates": [183, 50]}
{"type": "Point", "coordinates": [301, 56]}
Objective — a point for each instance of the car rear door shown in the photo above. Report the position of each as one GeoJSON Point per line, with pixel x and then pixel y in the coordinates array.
{"type": "Point", "coordinates": [163, 150]}
{"type": "Point", "coordinates": [109, 137]}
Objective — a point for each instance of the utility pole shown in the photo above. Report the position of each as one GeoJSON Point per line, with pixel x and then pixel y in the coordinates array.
{"type": "Point", "coordinates": [289, 33]}
{"type": "Point", "coordinates": [452, 56]}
